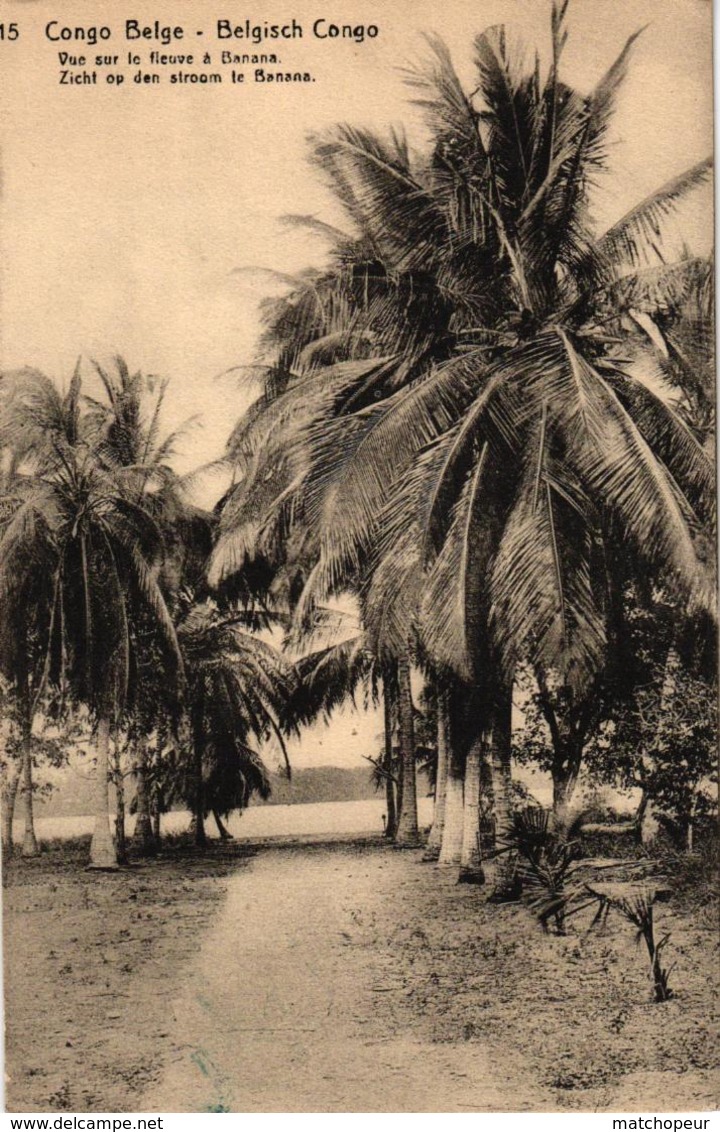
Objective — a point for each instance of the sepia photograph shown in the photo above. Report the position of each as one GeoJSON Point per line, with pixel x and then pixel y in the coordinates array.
{"type": "Point", "coordinates": [358, 558]}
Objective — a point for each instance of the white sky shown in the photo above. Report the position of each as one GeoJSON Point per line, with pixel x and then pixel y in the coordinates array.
{"type": "Point", "coordinates": [125, 212]}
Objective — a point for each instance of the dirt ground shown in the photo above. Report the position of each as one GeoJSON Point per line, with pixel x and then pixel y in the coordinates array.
{"type": "Point", "coordinates": [336, 977]}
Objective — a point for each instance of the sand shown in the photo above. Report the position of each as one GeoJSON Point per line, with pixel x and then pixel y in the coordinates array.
{"type": "Point", "coordinates": [339, 976]}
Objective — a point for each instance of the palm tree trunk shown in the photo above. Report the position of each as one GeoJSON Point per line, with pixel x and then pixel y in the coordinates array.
{"type": "Point", "coordinates": [390, 801]}
{"type": "Point", "coordinates": [399, 794]}
{"type": "Point", "coordinates": [9, 794]}
{"type": "Point", "coordinates": [391, 826]}
{"type": "Point", "coordinates": [120, 836]}
{"type": "Point", "coordinates": [407, 831]}
{"type": "Point", "coordinates": [30, 846]}
{"type": "Point", "coordinates": [432, 851]}
{"type": "Point", "coordinates": [102, 846]}
{"type": "Point", "coordinates": [225, 834]}
{"type": "Point", "coordinates": [500, 743]}
{"type": "Point", "coordinates": [143, 839]}
{"type": "Point", "coordinates": [198, 820]}
{"type": "Point", "coordinates": [471, 871]}
{"type": "Point", "coordinates": [197, 828]}
{"type": "Point", "coordinates": [452, 837]}
{"type": "Point", "coordinates": [451, 847]}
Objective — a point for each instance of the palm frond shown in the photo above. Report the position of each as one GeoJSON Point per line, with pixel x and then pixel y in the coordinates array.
{"type": "Point", "coordinates": [152, 594]}
{"type": "Point", "coordinates": [448, 110]}
{"type": "Point", "coordinates": [390, 602]}
{"type": "Point", "coordinates": [635, 237]}
{"type": "Point", "coordinates": [328, 679]}
{"type": "Point", "coordinates": [375, 182]}
{"type": "Point", "coordinates": [671, 441]}
{"type": "Point", "coordinates": [364, 455]}
{"type": "Point", "coordinates": [544, 605]}
{"type": "Point", "coordinates": [320, 227]}
{"type": "Point", "coordinates": [510, 113]}
{"type": "Point", "coordinates": [617, 466]}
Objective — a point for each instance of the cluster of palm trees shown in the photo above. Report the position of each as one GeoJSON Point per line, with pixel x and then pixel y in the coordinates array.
{"type": "Point", "coordinates": [484, 433]}
{"type": "Point", "coordinates": [106, 624]}
{"type": "Point", "coordinates": [465, 426]}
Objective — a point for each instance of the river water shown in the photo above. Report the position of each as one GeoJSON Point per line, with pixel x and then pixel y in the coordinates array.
{"type": "Point", "coordinates": [314, 818]}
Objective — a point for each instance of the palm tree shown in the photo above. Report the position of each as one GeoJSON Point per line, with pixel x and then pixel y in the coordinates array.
{"type": "Point", "coordinates": [22, 664]}
{"type": "Point", "coordinates": [328, 678]}
{"type": "Point", "coordinates": [546, 403]}
{"type": "Point", "coordinates": [555, 458]}
{"type": "Point", "coordinates": [244, 543]}
{"type": "Point", "coordinates": [10, 766]}
{"type": "Point", "coordinates": [130, 447]}
{"type": "Point", "coordinates": [21, 644]}
{"type": "Point", "coordinates": [237, 686]}
{"type": "Point", "coordinates": [388, 610]}
{"type": "Point", "coordinates": [97, 553]}
{"type": "Point", "coordinates": [496, 415]}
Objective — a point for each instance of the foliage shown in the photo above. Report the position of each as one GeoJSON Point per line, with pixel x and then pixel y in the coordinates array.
{"type": "Point", "coordinates": [695, 877]}
{"type": "Point", "coordinates": [664, 740]}
{"type": "Point", "coordinates": [328, 678]}
{"type": "Point", "coordinates": [545, 859]}
{"type": "Point", "coordinates": [493, 449]}
{"type": "Point", "coordinates": [236, 690]}
{"type": "Point", "coordinates": [486, 419]}
{"type": "Point", "coordinates": [548, 862]}
{"type": "Point", "coordinates": [78, 556]}
{"type": "Point", "coordinates": [555, 728]}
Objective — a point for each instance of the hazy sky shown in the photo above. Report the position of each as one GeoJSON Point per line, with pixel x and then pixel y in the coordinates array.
{"type": "Point", "coordinates": [125, 212]}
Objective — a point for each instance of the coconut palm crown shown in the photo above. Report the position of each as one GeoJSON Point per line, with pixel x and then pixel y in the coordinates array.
{"type": "Point", "coordinates": [495, 439]}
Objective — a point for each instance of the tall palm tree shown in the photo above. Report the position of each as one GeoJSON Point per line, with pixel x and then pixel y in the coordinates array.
{"type": "Point", "coordinates": [548, 438]}
{"type": "Point", "coordinates": [96, 552]}
{"type": "Point", "coordinates": [21, 640]}
{"type": "Point", "coordinates": [25, 587]}
{"type": "Point", "coordinates": [129, 445]}
{"type": "Point", "coordinates": [554, 458]}
{"type": "Point", "coordinates": [497, 415]}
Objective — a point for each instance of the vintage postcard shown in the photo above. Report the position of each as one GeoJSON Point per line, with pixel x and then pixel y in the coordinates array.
{"type": "Point", "coordinates": [358, 654]}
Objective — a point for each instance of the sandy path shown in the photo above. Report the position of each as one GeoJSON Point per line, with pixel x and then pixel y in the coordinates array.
{"type": "Point", "coordinates": [281, 1011]}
